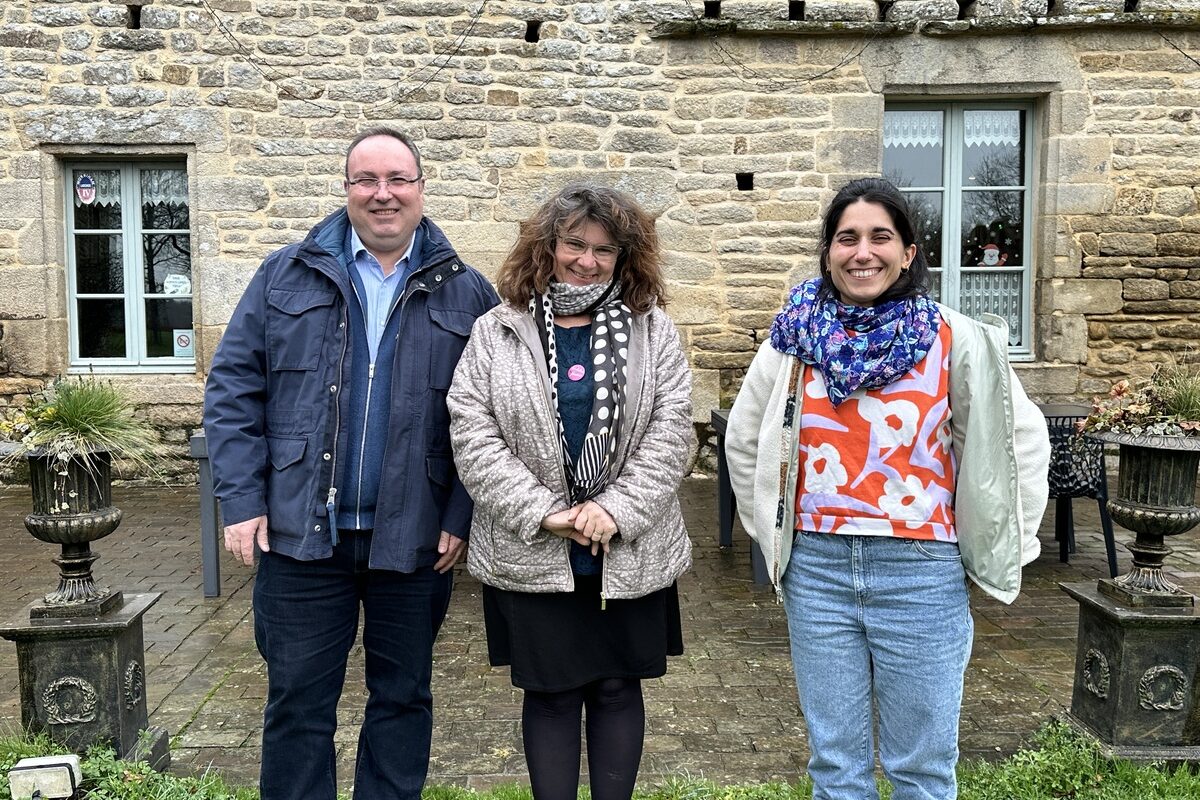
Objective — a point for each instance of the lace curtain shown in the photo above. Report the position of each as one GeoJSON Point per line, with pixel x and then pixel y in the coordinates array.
{"type": "Point", "coordinates": [166, 186]}
{"type": "Point", "coordinates": [924, 128]}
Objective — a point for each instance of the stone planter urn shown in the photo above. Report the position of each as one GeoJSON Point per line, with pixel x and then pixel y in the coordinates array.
{"type": "Point", "coordinates": [1155, 498]}
{"type": "Point", "coordinates": [1137, 658]}
{"type": "Point", "coordinates": [72, 507]}
{"type": "Point", "coordinates": [80, 652]}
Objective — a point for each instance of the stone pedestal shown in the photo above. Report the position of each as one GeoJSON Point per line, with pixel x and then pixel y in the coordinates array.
{"type": "Point", "coordinates": [1136, 672]}
{"type": "Point", "coordinates": [83, 679]}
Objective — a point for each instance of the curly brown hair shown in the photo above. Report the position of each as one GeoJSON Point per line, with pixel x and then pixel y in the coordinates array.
{"type": "Point", "coordinates": [530, 264]}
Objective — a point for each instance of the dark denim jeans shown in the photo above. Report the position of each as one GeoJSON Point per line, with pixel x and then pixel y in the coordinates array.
{"type": "Point", "coordinates": [305, 622]}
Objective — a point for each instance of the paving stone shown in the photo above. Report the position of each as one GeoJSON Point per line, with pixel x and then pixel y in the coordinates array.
{"type": "Point", "coordinates": [726, 710]}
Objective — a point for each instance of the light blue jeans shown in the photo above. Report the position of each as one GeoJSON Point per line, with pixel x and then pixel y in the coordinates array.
{"type": "Point", "coordinates": [877, 615]}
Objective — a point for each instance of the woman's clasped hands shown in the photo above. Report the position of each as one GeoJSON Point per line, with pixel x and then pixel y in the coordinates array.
{"type": "Point", "coordinates": [587, 523]}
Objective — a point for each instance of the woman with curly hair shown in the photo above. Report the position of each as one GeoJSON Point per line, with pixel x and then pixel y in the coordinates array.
{"type": "Point", "coordinates": [571, 425]}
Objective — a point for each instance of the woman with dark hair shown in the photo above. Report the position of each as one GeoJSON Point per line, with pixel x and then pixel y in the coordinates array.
{"type": "Point", "coordinates": [882, 451]}
{"type": "Point", "coordinates": [571, 424]}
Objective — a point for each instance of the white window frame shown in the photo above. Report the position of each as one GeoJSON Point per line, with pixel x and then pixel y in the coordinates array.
{"type": "Point", "coordinates": [134, 296]}
{"type": "Point", "coordinates": [951, 268]}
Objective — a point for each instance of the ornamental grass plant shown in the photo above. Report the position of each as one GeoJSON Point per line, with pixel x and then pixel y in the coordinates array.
{"type": "Point", "coordinates": [76, 418]}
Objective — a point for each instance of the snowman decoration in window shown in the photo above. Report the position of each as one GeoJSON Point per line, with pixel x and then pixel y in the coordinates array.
{"type": "Point", "coordinates": [992, 257]}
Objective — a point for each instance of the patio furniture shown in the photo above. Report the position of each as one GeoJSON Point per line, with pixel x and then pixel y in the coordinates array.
{"type": "Point", "coordinates": [210, 519]}
{"type": "Point", "coordinates": [1076, 470]}
{"type": "Point", "coordinates": [727, 502]}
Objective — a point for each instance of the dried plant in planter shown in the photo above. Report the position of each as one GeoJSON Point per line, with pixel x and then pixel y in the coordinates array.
{"type": "Point", "coordinates": [1165, 404]}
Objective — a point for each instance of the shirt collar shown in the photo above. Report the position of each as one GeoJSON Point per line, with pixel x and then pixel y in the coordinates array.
{"type": "Point", "coordinates": [356, 247]}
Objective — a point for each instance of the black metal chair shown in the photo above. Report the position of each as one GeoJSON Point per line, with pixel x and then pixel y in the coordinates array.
{"type": "Point", "coordinates": [1076, 470]}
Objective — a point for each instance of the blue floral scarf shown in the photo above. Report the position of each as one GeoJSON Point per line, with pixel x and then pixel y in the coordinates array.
{"type": "Point", "coordinates": [888, 340]}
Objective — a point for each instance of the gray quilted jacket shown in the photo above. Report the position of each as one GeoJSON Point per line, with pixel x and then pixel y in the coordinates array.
{"type": "Point", "coordinates": [506, 445]}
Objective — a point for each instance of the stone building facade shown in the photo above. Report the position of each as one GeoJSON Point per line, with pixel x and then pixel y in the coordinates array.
{"type": "Point", "coordinates": [732, 122]}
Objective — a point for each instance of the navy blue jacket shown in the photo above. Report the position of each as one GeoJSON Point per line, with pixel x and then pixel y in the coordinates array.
{"type": "Point", "coordinates": [276, 411]}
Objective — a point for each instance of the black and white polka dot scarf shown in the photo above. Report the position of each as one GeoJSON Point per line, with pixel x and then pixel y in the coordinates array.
{"type": "Point", "coordinates": [611, 327]}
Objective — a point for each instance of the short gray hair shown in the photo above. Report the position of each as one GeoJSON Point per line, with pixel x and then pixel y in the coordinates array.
{"type": "Point", "coordinates": [384, 130]}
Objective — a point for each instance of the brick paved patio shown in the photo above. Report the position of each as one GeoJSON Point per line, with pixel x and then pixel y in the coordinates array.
{"type": "Point", "coordinates": [726, 710]}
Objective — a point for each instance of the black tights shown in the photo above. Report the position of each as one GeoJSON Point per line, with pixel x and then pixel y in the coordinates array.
{"type": "Point", "coordinates": [616, 722]}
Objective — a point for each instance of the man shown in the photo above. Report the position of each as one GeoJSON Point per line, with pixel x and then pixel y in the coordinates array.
{"type": "Point", "coordinates": [329, 437]}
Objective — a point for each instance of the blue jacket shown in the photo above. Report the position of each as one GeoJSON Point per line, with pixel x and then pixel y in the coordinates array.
{"type": "Point", "coordinates": [277, 404]}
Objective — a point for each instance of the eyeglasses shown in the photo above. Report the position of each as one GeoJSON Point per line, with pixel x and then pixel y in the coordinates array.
{"type": "Point", "coordinates": [601, 252]}
{"type": "Point", "coordinates": [371, 185]}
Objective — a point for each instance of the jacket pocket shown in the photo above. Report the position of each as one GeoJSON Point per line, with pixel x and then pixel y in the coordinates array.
{"type": "Point", "coordinates": [297, 320]}
{"type": "Point", "coordinates": [449, 332]}
{"type": "Point", "coordinates": [285, 451]}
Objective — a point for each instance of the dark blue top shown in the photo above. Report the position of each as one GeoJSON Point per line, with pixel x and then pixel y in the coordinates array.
{"type": "Point", "coordinates": [575, 410]}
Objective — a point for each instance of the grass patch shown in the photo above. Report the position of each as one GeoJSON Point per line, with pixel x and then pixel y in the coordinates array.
{"type": "Point", "coordinates": [1060, 765]}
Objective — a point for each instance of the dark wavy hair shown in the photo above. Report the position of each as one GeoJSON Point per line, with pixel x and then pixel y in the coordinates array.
{"type": "Point", "coordinates": [530, 264]}
{"type": "Point", "coordinates": [917, 280]}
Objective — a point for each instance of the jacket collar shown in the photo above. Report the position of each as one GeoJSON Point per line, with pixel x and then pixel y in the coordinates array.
{"type": "Point", "coordinates": [324, 246]}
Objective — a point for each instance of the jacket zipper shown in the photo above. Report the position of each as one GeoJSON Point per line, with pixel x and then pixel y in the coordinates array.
{"type": "Point", "coordinates": [362, 447]}
{"type": "Point", "coordinates": [331, 499]}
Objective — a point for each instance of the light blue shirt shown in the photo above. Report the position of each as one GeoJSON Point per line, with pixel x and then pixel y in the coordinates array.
{"type": "Point", "coordinates": [379, 291]}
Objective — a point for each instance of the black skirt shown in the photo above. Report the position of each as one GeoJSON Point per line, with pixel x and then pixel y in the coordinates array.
{"type": "Point", "coordinates": [559, 641]}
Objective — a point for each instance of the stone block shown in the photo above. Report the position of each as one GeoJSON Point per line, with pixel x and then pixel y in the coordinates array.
{"type": "Point", "coordinates": [683, 237]}
{"type": "Point", "coordinates": [20, 199]}
{"type": "Point", "coordinates": [26, 294]}
{"type": "Point", "coordinates": [1092, 6]}
{"type": "Point", "coordinates": [1081, 198]}
{"type": "Point", "coordinates": [1064, 339]}
{"type": "Point", "coordinates": [1133, 202]}
{"type": "Point", "coordinates": [841, 10]}
{"type": "Point", "coordinates": [1142, 289]}
{"type": "Point", "coordinates": [1082, 159]}
{"type": "Point", "coordinates": [848, 151]}
{"type": "Point", "coordinates": [684, 267]}
{"type": "Point", "coordinates": [1179, 244]}
{"type": "Point", "coordinates": [1175, 201]}
{"type": "Point", "coordinates": [1127, 244]}
{"type": "Point", "coordinates": [35, 347]}
{"type": "Point", "coordinates": [1131, 330]}
{"type": "Point", "coordinates": [922, 10]}
{"type": "Point", "coordinates": [1185, 289]}
{"type": "Point", "coordinates": [694, 305]}
{"type": "Point", "coordinates": [706, 392]}
{"type": "Point", "coordinates": [1081, 296]}
{"type": "Point", "coordinates": [1047, 380]}
{"type": "Point", "coordinates": [232, 194]}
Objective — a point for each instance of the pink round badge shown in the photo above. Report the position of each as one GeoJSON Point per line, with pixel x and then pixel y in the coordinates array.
{"type": "Point", "coordinates": [576, 372]}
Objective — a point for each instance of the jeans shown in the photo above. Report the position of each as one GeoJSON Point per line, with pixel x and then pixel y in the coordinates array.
{"type": "Point", "coordinates": [305, 622]}
{"type": "Point", "coordinates": [877, 617]}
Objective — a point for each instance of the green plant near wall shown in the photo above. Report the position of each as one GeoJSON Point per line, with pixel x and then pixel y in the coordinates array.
{"type": "Point", "coordinates": [76, 417]}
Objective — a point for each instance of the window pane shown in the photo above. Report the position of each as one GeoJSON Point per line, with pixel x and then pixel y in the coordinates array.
{"type": "Point", "coordinates": [99, 264]}
{"type": "Point", "coordinates": [995, 293]}
{"type": "Point", "coordinates": [101, 328]}
{"type": "Point", "coordinates": [163, 319]}
{"type": "Point", "coordinates": [925, 208]}
{"type": "Point", "coordinates": [993, 148]}
{"type": "Point", "coordinates": [97, 198]}
{"type": "Point", "coordinates": [164, 199]}
{"type": "Point", "coordinates": [912, 147]}
{"type": "Point", "coordinates": [935, 285]}
{"type": "Point", "coordinates": [992, 229]}
{"type": "Point", "coordinates": [168, 263]}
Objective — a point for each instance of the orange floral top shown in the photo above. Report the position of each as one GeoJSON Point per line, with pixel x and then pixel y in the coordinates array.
{"type": "Point", "coordinates": [881, 464]}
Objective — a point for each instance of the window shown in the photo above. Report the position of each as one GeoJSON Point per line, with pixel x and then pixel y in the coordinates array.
{"type": "Point", "coordinates": [129, 266]}
{"type": "Point", "coordinates": [964, 168]}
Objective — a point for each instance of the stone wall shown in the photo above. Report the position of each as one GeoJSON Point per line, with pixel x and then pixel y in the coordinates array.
{"type": "Point", "coordinates": [261, 96]}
